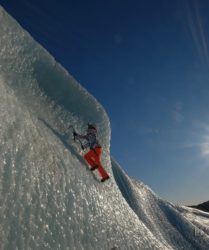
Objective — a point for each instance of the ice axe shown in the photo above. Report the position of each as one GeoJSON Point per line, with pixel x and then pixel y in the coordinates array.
{"type": "Point", "coordinates": [75, 137]}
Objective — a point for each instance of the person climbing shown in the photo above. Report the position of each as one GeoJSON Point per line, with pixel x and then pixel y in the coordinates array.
{"type": "Point", "coordinates": [93, 155]}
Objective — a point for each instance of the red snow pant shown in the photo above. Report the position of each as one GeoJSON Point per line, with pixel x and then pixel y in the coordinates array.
{"type": "Point", "coordinates": [93, 159]}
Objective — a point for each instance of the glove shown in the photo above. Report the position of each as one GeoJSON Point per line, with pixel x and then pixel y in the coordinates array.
{"type": "Point", "coordinates": [75, 135]}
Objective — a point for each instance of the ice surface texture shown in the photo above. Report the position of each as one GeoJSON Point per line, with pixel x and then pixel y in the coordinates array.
{"type": "Point", "coordinates": [48, 197]}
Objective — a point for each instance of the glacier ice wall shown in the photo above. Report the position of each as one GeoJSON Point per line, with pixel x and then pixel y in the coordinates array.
{"type": "Point", "coordinates": [48, 197]}
{"type": "Point", "coordinates": [167, 222]}
{"type": "Point", "coordinates": [36, 78]}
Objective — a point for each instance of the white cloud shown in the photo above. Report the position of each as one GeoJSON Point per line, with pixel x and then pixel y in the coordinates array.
{"type": "Point", "coordinates": [196, 29]}
{"type": "Point", "coordinates": [204, 149]}
{"type": "Point", "coordinates": [177, 114]}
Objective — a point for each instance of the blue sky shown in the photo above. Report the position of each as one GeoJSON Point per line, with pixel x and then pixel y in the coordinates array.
{"type": "Point", "coordinates": [147, 62]}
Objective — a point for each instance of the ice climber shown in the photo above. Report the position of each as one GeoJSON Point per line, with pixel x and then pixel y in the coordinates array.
{"type": "Point", "coordinates": [93, 155]}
